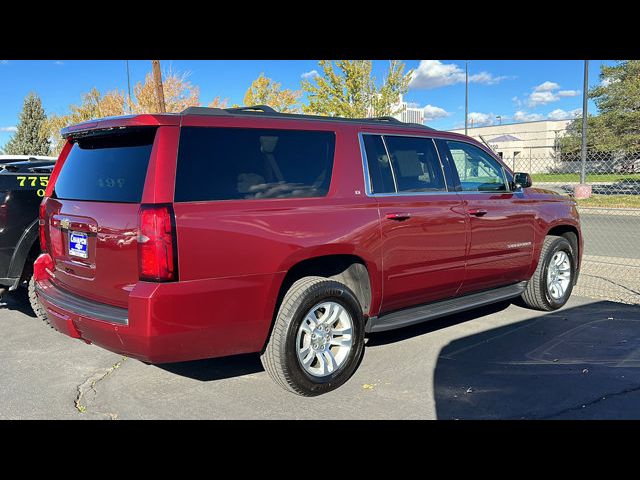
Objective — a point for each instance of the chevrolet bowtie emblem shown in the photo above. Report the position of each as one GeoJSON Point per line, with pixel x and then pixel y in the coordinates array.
{"type": "Point", "coordinates": [65, 223]}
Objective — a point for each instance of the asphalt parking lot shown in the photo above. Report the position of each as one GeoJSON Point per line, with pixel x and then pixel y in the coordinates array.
{"type": "Point", "coordinates": [500, 362]}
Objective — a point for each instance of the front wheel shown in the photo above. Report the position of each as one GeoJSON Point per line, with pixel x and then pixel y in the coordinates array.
{"type": "Point", "coordinates": [317, 339]}
{"type": "Point", "coordinates": [551, 284]}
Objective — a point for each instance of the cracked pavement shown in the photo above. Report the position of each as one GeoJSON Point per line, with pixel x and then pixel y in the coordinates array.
{"type": "Point", "coordinates": [503, 361]}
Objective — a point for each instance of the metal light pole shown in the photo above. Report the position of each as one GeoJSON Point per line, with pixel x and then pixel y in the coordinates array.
{"type": "Point", "coordinates": [583, 169]}
{"type": "Point", "coordinates": [157, 77]}
{"type": "Point", "coordinates": [583, 190]}
{"type": "Point", "coordinates": [466, 96]}
{"type": "Point", "coordinates": [499, 117]}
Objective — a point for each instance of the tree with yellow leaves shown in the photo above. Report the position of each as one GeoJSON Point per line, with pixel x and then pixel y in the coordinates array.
{"type": "Point", "coordinates": [179, 94]}
{"type": "Point", "coordinates": [265, 91]}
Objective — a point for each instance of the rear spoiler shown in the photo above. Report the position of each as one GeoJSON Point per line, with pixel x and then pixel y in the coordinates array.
{"type": "Point", "coordinates": [119, 123]}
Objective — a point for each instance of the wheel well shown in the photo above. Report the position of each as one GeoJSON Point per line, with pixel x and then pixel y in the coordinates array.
{"type": "Point", "coordinates": [34, 251]}
{"type": "Point", "coordinates": [347, 269]}
{"type": "Point", "coordinates": [571, 234]}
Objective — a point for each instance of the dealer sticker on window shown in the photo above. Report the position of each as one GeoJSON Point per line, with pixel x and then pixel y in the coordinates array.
{"type": "Point", "coordinates": [78, 244]}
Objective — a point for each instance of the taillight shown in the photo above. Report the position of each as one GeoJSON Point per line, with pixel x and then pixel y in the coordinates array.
{"type": "Point", "coordinates": [157, 248]}
{"type": "Point", "coordinates": [42, 227]}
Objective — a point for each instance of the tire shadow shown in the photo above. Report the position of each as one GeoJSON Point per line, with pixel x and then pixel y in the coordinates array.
{"type": "Point", "coordinates": [17, 300]}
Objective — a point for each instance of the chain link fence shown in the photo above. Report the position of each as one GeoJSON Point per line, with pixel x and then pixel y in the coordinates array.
{"type": "Point", "coordinates": [610, 218]}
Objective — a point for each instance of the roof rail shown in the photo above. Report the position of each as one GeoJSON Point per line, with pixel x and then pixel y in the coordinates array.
{"type": "Point", "coordinates": [265, 110]}
{"type": "Point", "coordinates": [229, 111]}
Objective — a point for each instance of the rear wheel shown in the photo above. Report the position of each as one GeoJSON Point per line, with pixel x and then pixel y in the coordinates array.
{"type": "Point", "coordinates": [317, 339]}
{"type": "Point", "coordinates": [37, 307]}
{"type": "Point", "coordinates": [551, 285]}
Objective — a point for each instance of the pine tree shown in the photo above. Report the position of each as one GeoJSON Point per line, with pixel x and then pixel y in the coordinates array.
{"type": "Point", "coordinates": [28, 139]}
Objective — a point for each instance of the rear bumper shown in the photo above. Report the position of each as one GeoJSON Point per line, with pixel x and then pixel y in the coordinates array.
{"type": "Point", "coordinates": [171, 322]}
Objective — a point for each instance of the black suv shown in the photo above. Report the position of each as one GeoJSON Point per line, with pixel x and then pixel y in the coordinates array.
{"type": "Point", "coordinates": [22, 186]}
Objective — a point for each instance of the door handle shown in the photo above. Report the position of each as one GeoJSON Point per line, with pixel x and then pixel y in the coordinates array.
{"type": "Point", "coordinates": [478, 212]}
{"type": "Point", "coordinates": [397, 216]}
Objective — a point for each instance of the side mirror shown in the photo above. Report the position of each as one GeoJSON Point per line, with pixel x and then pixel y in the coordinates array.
{"type": "Point", "coordinates": [521, 180]}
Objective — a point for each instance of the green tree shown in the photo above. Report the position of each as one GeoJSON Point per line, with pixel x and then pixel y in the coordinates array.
{"type": "Point", "coordinates": [28, 139]}
{"type": "Point", "coordinates": [617, 125]}
{"type": "Point", "coordinates": [265, 91]}
{"type": "Point", "coordinates": [347, 88]}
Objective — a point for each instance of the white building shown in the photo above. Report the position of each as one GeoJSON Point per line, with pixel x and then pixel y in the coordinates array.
{"type": "Point", "coordinates": [409, 114]}
{"type": "Point", "coordinates": [526, 139]}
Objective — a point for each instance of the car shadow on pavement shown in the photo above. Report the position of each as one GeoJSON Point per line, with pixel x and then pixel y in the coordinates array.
{"type": "Point", "coordinates": [216, 368]}
{"type": "Point", "coordinates": [17, 300]}
{"type": "Point", "coordinates": [574, 363]}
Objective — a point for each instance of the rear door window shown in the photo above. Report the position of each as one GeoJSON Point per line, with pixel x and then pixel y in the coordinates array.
{"type": "Point", "coordinates": [106, 168]}
{"type": "Point", "coordinates": [239, 163]}
{"type": "Point", "coordinates": [415, 164]}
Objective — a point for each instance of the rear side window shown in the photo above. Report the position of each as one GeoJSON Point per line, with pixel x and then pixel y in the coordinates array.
{"type": "Point", "coordinates": [378, 164]}
{"type": "Point", "coordinates": [238, 163]}
{"type": "Point", "coordinates": [106, 168]}
{"type": "Point", "coordinates": [415, 164]}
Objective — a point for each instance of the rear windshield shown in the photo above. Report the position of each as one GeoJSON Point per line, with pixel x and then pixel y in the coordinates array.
{"type": "Point", "coordinates": [106, 168]}
{"type": "Point", "coordinates": [239, 163]}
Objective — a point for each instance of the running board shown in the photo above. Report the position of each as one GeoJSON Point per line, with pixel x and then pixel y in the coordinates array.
{"type": "Point", "coordinates": [429, 311]}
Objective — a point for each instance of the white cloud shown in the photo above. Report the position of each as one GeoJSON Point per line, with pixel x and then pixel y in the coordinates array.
{"type": "Point", "coordinates": [548, 92]}
{"type": "Point", "coordinates": [546, 87]}
{"type": "Point", "coordinates": [8, 129]}
{"type": "Point", "coordinates": [542, 98]}
{"type": "Point", "coordinates": [478, 119]}
{"type": "Point", "coordinates": [522, 116]}
{"type": "Point", "coordinates": [310, 74]}
{"type": "Point", "coordinates": [434, 74]}
{"type": "Point", "coordinates": [432, 112]}
{"type": "Point", "coordinates": [4, 62]}
{"type": "Point", "coordinates": [59, 62]}
{"type": "Point", "coordinates": [559, 114]}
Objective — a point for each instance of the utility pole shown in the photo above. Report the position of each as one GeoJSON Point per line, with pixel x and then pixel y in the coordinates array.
{"type": "Point", "coordinates": [157, 77]}
{"type": "Point", "coordinates": [129, 87]}
{"type": "Point", "coordinates": [466, 96]}
{"type": "Point", "coordinates": [499, 117]}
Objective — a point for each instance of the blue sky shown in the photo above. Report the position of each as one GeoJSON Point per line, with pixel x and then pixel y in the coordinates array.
{"type": "Point", "coordinates": [517, 90]}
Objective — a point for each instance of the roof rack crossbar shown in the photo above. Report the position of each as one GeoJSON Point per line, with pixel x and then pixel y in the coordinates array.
{"type": "Point", "coordinates": [386, 119]}
{"type": "Point", "coordinates": [260, 108]}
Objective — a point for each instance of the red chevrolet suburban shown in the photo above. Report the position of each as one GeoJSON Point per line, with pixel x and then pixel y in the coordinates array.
{"type": "Point", "coordinates": [217, 232]}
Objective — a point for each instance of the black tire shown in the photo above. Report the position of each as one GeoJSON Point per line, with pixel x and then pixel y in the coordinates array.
{"type": "Point", "coordinates": [537, 295]}
{"type": "Point", "coordinates": [280, 359]}
{"type": "Point", "coordinates": [37, 307]}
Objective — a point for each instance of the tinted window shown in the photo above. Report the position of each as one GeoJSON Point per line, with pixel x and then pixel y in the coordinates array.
{"type": "Point", "coordinates": [378, 164]}
{"type": "Point", "coordinates": [478, 171]}
{"type": "Point", "coordinates": [415, 164]}
{"type": "Point", "coordinates": [237, 163]}
{"type": "Point", "coordinates": [106, 168]}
